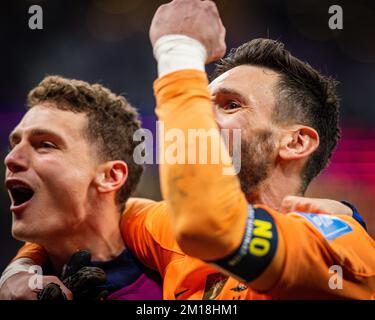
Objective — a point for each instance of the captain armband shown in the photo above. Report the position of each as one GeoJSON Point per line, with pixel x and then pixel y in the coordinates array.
{"type": "Point", "coordinates": [257, 249]}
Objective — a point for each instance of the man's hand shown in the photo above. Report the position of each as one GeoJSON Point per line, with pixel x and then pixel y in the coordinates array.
{"type": "Point", "coordinates": [82, 280]}
{"type": "Point", "coordinates": [17, 287]}
{"type": "Point", "coordinates": [84, 285]}
{"type": "Point", "coordinates": [314, 205]}
{"type": "Point", "coordinates": [194, 18]}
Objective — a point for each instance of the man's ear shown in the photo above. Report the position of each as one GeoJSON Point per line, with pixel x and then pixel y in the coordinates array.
{"type": "Point", "coordinates": [298, 142]}
{"type": "Point", "coordinates": [111, 176]}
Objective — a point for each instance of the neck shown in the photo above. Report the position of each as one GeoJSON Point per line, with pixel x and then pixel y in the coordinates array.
{"type": "Point", "coordinates": [99, 234]}
{"type": "Point", "coordinates": [277, 186]}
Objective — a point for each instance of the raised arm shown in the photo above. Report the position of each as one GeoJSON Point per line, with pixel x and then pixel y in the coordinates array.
{"type": "Point", "coordinates": [286, 255]}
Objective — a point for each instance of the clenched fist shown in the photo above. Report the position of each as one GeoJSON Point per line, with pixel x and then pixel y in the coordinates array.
{"type": "Point", "coordinates": [194, 18]}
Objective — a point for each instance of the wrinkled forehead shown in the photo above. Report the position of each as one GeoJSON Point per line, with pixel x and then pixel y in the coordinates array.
{"type": "Point", "coordinates": [256, 83]}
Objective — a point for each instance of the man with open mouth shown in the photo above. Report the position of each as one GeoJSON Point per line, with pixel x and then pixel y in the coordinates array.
{"type": "Point", "coordinates": [242, 242]}
{"type": "Point", "coordinates": [69, 173]}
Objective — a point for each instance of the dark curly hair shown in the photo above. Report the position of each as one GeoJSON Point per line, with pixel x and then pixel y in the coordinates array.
{"type": "Point", "coordinates": [112, 121]}
{"type": "Point", "coordinates": [302, 95]}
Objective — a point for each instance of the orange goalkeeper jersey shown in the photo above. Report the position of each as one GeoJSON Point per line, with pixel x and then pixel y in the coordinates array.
{"type": "Point", "coordinates": [300, 268]}
{"type": "Point", "coordinates": [312, 255]}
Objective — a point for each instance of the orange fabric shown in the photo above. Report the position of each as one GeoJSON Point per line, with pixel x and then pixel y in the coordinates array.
{"type": "Point", "coordinates": [309, 256]}
{"type": "Point", "coordinates": [34, 252]}
{"type": "Point", "coordinates": [303, 273]}
{"type": "Point", "coordinates": [213, 208]}
{"type": "Point", "coordinates": [147, 231]}
{"type": "Point", "coordinates": [201, 197]}
{"type": "Point", "coordinates": [184, 103]}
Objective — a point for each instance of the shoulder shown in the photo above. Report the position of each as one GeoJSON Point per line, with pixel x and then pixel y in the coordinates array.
{"type": "Point", "coordinates": [146, 219]}
{"type": "Point", "coordinates": [144, 209]}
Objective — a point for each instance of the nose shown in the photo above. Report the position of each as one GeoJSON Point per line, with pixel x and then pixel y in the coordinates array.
{"type": "Point", "coordinates": [16, 160]}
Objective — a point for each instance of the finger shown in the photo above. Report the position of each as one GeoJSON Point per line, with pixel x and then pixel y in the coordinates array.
{"type": "Point", "coordinates": [288, 203]}
{"type": "Point", "coordinates": [293, 207]}
{"type": "Point", "coordinates": [78, 260]}
{"type": "Point", "coordinates": [285, 205]}
{"type": "Point", "coordinates": [68, 294]}
{"type": "Point", "coordinates": [301, 206]}
{"type": "Point", "coordinates": [298, 204]}
{"type": "Point", "coordinates": [51, 291]}
{"type": "Point", "coordinates": [293, 198]}
{"type": "Point", "coordinates": [52, 279]}
{"type": "Point", "coordinates": [86, 279]}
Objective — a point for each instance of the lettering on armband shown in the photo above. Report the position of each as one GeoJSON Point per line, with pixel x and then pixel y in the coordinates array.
{"type": "Point", "coordinates": [260, 244]}
{"type": "Point", "coordinates": [257, 249]}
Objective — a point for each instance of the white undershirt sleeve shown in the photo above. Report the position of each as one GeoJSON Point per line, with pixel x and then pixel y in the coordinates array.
{"type": "Point", "coordinates": [177, 52]}
{"type": "Point", "coordinates": [19, 265]}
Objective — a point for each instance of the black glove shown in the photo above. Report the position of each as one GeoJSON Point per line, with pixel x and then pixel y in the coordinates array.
{"type": "Point", "coordinates": [51, 291]}
{"type": "Point", "coordinates": [80, 278]}
{"type": "Point", "coordinates": [84, 284]}
{"type": "Point", "coordinates": [78, 260]}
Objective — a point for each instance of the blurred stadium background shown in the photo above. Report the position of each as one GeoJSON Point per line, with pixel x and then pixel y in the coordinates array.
{"type": "Point", "coordinates": [106, 41]}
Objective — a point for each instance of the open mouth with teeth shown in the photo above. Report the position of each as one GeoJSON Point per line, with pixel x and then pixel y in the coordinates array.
{"type": "Point", "coordinates": [20, 194]}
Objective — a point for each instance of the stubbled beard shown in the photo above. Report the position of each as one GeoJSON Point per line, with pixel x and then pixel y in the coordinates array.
{"type": "Point", "coordinates": [256, 158]}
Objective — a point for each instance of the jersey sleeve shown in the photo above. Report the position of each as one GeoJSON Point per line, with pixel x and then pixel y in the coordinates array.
{"type": "Point", "coordinates": [319, 256]}
{"type": "Point", "coordinates": [204, 197]}
{"type": "Point", "coordinates": [304, 255]}
{"type": "Point", "coordinates": [147, 230]}
{"type": "Point", "coordinates": [286, 256]}
{"type": "Point", "coordinates": [33, 252]}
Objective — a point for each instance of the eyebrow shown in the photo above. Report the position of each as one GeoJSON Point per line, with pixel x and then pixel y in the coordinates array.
{"type": "Point", "coordinates": [233, 92]}
{"type": "Point", "coordinates": [35, 133]}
